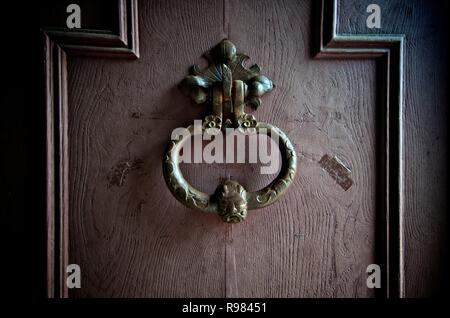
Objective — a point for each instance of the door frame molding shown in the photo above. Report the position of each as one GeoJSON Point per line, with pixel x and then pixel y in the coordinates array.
{"type": "Point", "coordinates": [389, 49]}
{"type": "Point", "coordinates": [57, 43]}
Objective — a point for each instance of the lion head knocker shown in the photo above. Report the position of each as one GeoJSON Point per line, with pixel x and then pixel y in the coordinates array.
{"type": "Point", "coordinates": [232, 201]}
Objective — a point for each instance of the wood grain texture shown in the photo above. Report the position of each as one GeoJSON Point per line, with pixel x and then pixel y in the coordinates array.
{"type": "Point", "coordinates": [55, 95]}
{"type": "Point", "coordinates": [389, 50]}
{"type": "Point", "coordinates": [318, 240]}
{"type": "Point", "coordinates": [135, 239]}
{"type": "Point", "coordinates": [425, 133]}
{"type": "Point", "coordinates": [132, 238]}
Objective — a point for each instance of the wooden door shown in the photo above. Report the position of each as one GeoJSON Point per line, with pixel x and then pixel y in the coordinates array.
{"type": "Point", "coordinates": [342, 91]}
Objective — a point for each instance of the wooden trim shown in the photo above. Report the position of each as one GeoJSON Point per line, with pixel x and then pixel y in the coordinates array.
{"type": "Point", "coordinates": [390, 189]}
{"type": "Point", "coordinates": [103, 43]}
{"type": "Point", "coordinates": [57, 43]}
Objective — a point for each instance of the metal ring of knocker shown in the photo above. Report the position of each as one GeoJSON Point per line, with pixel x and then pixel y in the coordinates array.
{"type": "Point", "coordinates": [229, 86]}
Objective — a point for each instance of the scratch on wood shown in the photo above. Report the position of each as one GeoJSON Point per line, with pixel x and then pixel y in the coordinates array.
{"type": "Point", "coordinates": [337, 170]}
{"type": "Point", "coordinates": [120, 171]}
{"type": "Point", "coordinates": [136, 115]}
{"type": "Point", "coordinates": [140, 115]}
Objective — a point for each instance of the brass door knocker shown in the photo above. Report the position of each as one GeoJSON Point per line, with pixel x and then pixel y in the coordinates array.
{"type": "Point", "coordinates": [229, 86]}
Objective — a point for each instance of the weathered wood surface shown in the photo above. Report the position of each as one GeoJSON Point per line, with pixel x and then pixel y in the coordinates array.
{"type": "Point", "coordinates": [425, 137]}
{"type": "Point", "coordinates": [132, 238]}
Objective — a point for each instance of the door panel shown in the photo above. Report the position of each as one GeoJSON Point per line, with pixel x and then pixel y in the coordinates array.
{"type": "Point", "coordinates": [130, 236]}
{"type": "Point", "coordinates": [126, 231]}
{"type": "Point", "coordinates": [318, 240]}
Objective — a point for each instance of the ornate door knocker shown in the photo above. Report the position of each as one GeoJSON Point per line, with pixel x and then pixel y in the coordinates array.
{"type": "Point", "coordinates": [229, 86]}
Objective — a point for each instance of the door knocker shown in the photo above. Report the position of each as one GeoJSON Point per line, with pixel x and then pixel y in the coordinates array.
{"type": "Point", "coordinates": [228, 85]}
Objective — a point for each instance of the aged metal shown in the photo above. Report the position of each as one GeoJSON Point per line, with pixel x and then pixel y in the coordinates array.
{"type": "Point", "coordinates": [228, 86]}
{"type": "Point", "coordinates": [337, 170]}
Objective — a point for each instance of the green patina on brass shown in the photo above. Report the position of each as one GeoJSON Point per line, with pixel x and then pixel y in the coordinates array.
{"type": "Point", "coordinates": [228, 85]}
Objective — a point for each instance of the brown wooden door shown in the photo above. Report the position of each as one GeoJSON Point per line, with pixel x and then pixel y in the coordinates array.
{"type": "Point", "coordinates": [359, 98]}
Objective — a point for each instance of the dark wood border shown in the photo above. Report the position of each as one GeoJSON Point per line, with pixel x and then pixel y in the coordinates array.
{"type": "Point", "coordinates": [57, 44]}
{"type": "Point", "coordinates": [389, 49]}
